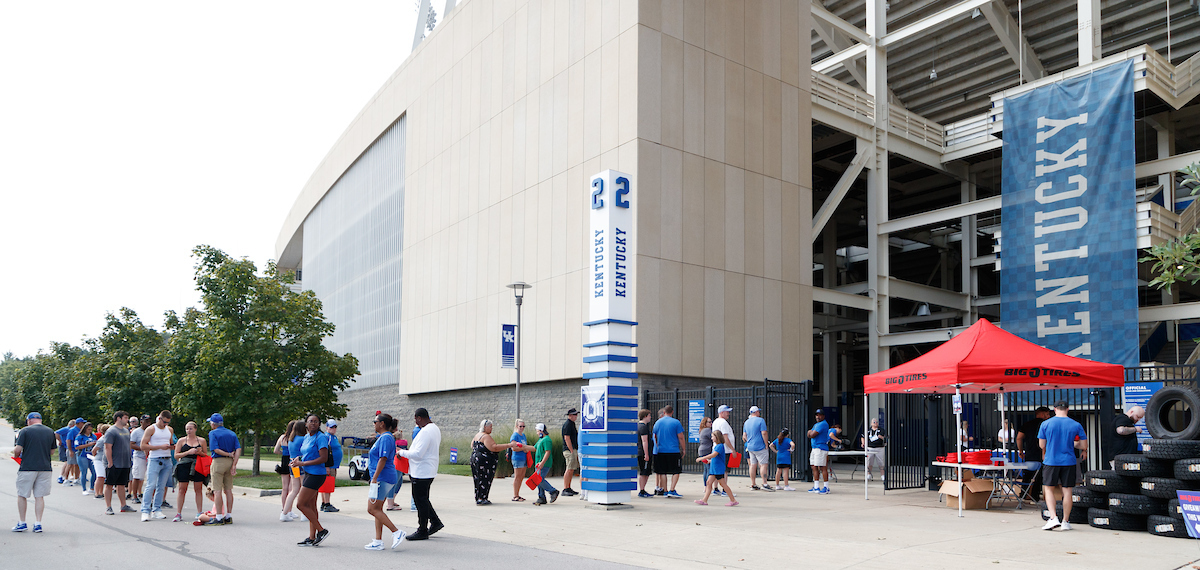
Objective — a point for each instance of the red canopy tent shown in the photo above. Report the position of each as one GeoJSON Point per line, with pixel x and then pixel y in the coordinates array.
{"type": "Point", "coordinates": [987, 359]}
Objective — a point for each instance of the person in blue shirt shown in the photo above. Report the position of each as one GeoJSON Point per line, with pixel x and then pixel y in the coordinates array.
{"type": "Point", "coordinates": [72, 456]}
{"type": "Point", "coordinates": [669, 446]}
{"type": "Point", "coordinates": [225, 449]}
{"type": "Point", "coordinates": [1059, 437]}
{"type": "Point", "coordinates": [384, 477]}
{"type": "Point", "coordinates": [63, 444]}
{"type": "Point", "coordinates": [314, 462]}
{"type": "Point", "coordinates": [783, 446]}
{"type": "Point", "coordinates": [818, 436]}
{"type": "Point", "coordinates": [335, 448]}
{"type": "Point", "coordinates": [754, 433]}
{"type": "Point", "coordinates": [519, 458]}
{"type": "Point", "coordinates": [83, 451]}
{"type": "Point", "coordinates": [716, 470]}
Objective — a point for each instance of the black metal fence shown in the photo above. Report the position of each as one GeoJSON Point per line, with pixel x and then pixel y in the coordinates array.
{"type": "Point", "coordinates": [784, 404]}
{"type": "Point", "coordinates": [922, 427]}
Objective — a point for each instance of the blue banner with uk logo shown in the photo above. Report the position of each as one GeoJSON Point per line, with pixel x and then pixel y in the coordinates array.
{"type": "Point", "coordinates": [1068, 267]}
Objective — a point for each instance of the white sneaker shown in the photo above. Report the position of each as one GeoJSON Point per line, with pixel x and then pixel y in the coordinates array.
{"type": "Point", "coordinates": [375, 545]}
{"type": "Point", "coordinates": [1064, 526]}
{"type": "Point", "coordinates": [285, 517]}
{"type": "Point", "coordinates": [158, 515]}
{"type": "Point", "coordinates": [1050, 524]}
{"type": "Point", "coordinates": [868, 476]}
{"type": "Point", "coordinates": [397, 539]}
{"type": "Point", "coordinates": [87, 492]}
{"type": "Point", "coordinates": [70, 482]}
{"type": "Point", "coordinates": [788, 488]}
{"type": "Point", "coordinates": [297, 516]}
{"type": "Point", "coordinates": [145, 517]}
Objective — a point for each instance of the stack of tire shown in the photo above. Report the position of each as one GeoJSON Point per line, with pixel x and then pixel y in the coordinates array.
{"type": "Point", "coordinates": [1141, 488]}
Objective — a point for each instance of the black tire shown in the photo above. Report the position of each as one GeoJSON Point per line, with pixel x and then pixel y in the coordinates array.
{"type": "Point", "coordinates": [1128, 504]}
{"type": "Point", "coordinates": [1161, 403]}
{"type": "Point", "coordinates": [1174, 510]}
{"type": "Point", "coordinates": [1164, 487]}
{"type": "Point", "coordinates": [1187, 469]}
{"type": "Point", "coordinates": [1102, 518]}
{"type": "Point", "coordinates": [1173, 449]}
{"type": "Point", "coordinates": [1138, 465]}
{"type": "Point", "coordinates": [1159, 525]}
{"type": "Point", "coordinates": [1078, 514]}
{"type": "Point", "coordinates": [353, 471]}
{"type": "Point", "coordinates": [1087, 498]}
{"type": "Point", "coordinates": [1105, 481]}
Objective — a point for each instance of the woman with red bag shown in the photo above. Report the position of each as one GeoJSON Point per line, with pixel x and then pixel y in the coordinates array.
{"type": "Point", "coordinates": [187, 449]}
{"type": "Point", "coordinates": [520, 458]}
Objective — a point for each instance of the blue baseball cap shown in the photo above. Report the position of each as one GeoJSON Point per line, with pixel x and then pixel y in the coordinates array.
{"type": "Point", "coordinates": [33, 416]}
{"type": "Point", "coordinates": [216, 419]}
{"type": "Point", "coordinates": [81, 421]}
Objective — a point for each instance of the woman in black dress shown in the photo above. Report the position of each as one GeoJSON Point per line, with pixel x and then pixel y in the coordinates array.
{"type": "Point", "coordinates": [187, 449]}
{"type": "Point", "coordinates": [484, 455]}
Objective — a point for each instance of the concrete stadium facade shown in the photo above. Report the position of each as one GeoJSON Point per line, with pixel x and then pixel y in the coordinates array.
{"type": "Point", "coordinates": [469, 170]}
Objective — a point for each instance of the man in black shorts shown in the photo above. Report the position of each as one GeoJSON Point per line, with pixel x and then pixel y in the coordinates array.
{"type": "Point", "coordinates": [119, 460]}
{"type": "Point", "coordinates": [669, 445]}
{"type": "Point", "coordinates": [1059, 437]}
{"type": "Point", "coordinates": [643, 444]}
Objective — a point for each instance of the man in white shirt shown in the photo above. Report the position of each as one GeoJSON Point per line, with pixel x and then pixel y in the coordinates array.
{"type": "Point", "coordinates": [423, 459]}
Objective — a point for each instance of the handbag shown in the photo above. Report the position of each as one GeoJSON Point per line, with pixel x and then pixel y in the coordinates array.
{"type": "Point", "coordinates": [204, 465]}
{"type": "Point", "coordinates": [533, 480]}
{"type": "Point", "coordinates": [402, 464]}
{"type": "Point", "coordinates": [735, 460]}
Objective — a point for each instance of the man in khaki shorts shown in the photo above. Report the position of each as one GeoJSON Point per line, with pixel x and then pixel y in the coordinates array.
{"type": "Point", "coordinates": [570, 435]}
{"type": "Point", "coordinates": [226, 449]}
{"type": "Point", "coordinates": [33, 447]}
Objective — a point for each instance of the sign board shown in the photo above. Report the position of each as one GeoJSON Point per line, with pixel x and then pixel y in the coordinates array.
{"type": "Point", "coordinates": [1139, 394]}
{"type": "Point", "coordinates": [957, 404]}
{"type": "Point", "coordinates": [610, 252]}
{"type": "Point", "coordinates": [594, 404]}
{"type": "Point", "coordinates": [695, 416]}
{"type": "Point", "coordinates": [508, 346]}
{"type": "Point", "coordinates": [1189, 501]}
{"type": "Point", "coordinates": [453, 455]}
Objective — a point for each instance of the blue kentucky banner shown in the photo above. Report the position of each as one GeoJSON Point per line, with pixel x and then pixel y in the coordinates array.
{"type": "Point", "coordinates": [1068, 278]}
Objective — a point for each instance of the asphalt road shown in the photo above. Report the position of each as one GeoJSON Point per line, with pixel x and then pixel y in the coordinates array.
{"type": "Point", "coordinates": [79, 535]}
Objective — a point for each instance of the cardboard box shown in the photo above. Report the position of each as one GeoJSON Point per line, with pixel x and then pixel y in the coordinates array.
{"type": "Point", "coordinates": [974, 493]}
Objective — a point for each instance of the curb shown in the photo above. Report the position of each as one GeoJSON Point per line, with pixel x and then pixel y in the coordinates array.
{"type": "Point", "coordinates": [252, 492]}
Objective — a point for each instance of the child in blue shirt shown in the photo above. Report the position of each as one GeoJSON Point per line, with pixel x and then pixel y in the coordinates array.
{"type": "Point", "coordinates": [783, 446]}
{"type": "Point", "coordinates": [716, 470]}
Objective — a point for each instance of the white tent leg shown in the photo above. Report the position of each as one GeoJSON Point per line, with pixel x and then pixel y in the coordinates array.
{"type": "Point", "coordinates": [866, 463]}
{"type": "Point", "coordinates": [957, 428]}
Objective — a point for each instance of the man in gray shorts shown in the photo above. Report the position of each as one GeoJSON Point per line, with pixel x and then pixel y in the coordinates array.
{"type": "Point", "coordinates": [34, 444]}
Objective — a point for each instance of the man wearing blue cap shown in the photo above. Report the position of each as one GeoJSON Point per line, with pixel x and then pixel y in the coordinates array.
{"type": "Point", "coordinates": [34, 444]}
{"type": "Point", "coordinates": [226, 449]}
{"type": "Point", "coordinates": [61, 435]}
{"type": "Point", "coordinates": [72, 458]}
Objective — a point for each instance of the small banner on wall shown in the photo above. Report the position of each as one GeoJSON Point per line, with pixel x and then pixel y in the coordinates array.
{"type": "Point", "coordinates": [1069, 245]}
{"type": "Point", "coordinates": [508, 346]}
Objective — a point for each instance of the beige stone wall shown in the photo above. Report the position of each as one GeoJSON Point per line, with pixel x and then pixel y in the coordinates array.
{"type": "Point", "coordinates": [513, 104]}
{"type": "Point", "coordinates": [724, 161]}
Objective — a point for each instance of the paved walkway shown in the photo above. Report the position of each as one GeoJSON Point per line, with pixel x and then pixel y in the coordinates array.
{"type": "Point", "coordinates": [902, 529]}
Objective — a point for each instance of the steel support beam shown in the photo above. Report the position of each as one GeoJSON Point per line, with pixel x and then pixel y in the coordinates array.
{"type": "Point", "coordinates": [842, 57]}
{"type": "Point", "coordinates": [928, 294]}
{"type": "Point", "coordinates": [1165, 165]}
{"type": "Point", "coordinates": [822, 295]}
{"type": "Point", "coordinates": [941, 215]}
{"type": "Point", "coordinates": [1180, 311]}
{"type": "Point", "coordinates": [921, 337]}
{"type": "Point", "coordinates": [1089, 31]}
{"type": "Point", "coordinates": [878, 250]}
{"type": "Point", "coordinates": [1014, 43]}
{"type": "Point", "coordinates": [821, 13]}
{"type": "Point", "coordinates": [930, 21]}
{"type": "Point", "coordinates": [839, 191]}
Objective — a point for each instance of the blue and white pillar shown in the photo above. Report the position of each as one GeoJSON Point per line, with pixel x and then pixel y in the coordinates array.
{"type": "Point", "coordinates": [609, 403]}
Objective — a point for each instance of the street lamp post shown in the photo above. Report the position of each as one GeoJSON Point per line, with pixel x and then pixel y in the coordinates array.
{"type": "Point", "coordinates": [519, 288]}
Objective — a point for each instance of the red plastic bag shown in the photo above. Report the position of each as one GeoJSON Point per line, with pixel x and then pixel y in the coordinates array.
{"type": "Point", "coordinates": [533, 481]}
{"type": "Point", "coordinates": [402, 464]}
{"type": "Point", "coordinates": [735, 460]}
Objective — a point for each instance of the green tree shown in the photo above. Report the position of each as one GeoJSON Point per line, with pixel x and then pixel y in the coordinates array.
{"type": "Point", "coordinates": [12, 406]}
{"type": "Point", "coordinates": [1178, 259]}
{"type": "Point", "coordinates": [126, 375]}
{"type": "Point", "coordinates": [254, 353]}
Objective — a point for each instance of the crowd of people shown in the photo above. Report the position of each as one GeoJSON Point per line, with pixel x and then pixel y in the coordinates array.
{"type": "Point", "coordinates": [136, 460]}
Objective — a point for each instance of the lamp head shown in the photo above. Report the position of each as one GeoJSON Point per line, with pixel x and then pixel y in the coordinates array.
{"type": "Point", "coordinates": [519, 288]}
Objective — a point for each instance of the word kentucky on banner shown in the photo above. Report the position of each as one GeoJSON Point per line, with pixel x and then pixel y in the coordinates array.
{"type": "Point", "coordinates": [1069, 245]}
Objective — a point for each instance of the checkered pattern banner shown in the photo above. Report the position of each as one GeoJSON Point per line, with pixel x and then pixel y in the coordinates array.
{"type": "Point", "coordinates": [1069, 244]}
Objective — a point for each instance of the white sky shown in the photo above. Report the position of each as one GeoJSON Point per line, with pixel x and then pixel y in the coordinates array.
{"type": "Point", "coordinates": [131, 132]}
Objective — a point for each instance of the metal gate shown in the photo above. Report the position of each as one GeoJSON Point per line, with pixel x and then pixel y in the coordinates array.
{"type": "Point", "coordinates": [784, 404]}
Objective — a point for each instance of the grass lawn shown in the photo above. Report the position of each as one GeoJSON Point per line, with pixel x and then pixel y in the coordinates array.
{"type": "Point", "coordinates": [455, 470]}
{"type": "Point", "coordinates": [269, 480]}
